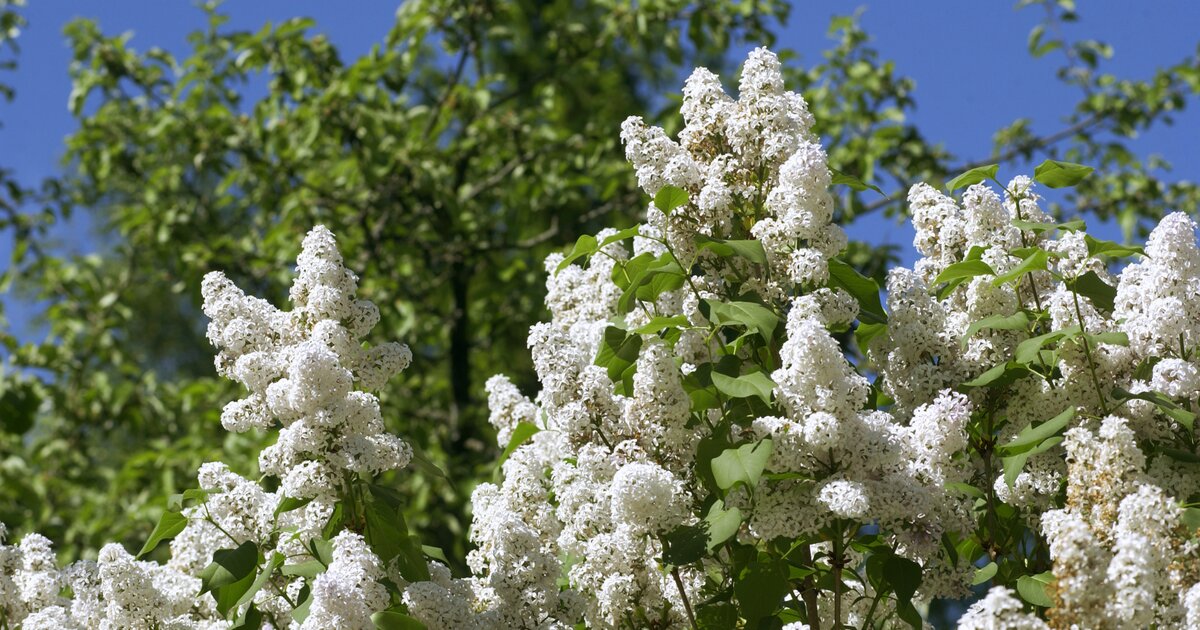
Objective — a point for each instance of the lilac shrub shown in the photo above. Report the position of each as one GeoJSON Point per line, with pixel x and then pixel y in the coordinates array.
{"type": "Point", "coordinates": [732, 429]}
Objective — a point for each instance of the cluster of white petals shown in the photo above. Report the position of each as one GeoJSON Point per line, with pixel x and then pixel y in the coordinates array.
{"type": "Point", "coordinates": [617, 461]}
{"type": "Point", "coordinates": [1121, 557]}
{"type": "Point", "coordinates": [715, 398]}
{"type": "Point", "coordinates": [309, 375]}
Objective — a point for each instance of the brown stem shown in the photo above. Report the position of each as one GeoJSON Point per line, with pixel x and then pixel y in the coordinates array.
{"type": "Point", "coordinates": [687, 606]}
{"type": "Point", "coordinates": [809, 593]}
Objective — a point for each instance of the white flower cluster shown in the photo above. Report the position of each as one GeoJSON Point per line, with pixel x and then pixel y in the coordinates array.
{"type": "Point", "coordinates": [113, 593]}
{"type": "Point", "coordinates": [615, 467]}
{"type": "Point", "coordinates": [306, 371]}
{"type": "Point", "coordinates": [999, 610]}
{"type": "Point", "coordinates": [621, 469]}
{"type": "Point", "coordinates": [1121, 556]}
{"type": "Point", "coordinates": [590, 496]}
{"type": "Point", "coordinates": [755, 157]}
{"type": "Point", "coordinates": [302, 368]}
{"type": "Point", "coordinates": [349, 591]}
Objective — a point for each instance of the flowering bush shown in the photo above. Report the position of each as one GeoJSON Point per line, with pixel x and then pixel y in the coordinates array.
{"type": "Point", "coordinates": [702, 452]}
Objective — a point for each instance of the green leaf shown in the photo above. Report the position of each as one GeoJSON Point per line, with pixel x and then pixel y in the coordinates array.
{"type": "Point", "coordinates": [421, 462]}
{"type": "Point", "coordinates": [1034, 262]}
{"type": "Point", "coordinates": [684, 545]}
{"type": "Point", "coordinates": [393, 620]}
{"type": "Point", "coordinates": [662, 322]}
{"type": "Point", "coordinates": [1190, 518]}
{"type": "Point", "coordinates": [1016, 321]}
{"type": "Point", "coordinates": [973, 176]}
{"type": "Point", "coordinates": [619, 236]}
{"type": "Point", "coordinates": [1089, 285]}
{"type": "Point", "coordinates": [300, 613]}
{"type": "Point", "coordinates": [743, 464]}
{"type": "Point", "coordinates": [1033, 439]}
{"type": "Point", "coordinates": [1112, 338]}
{"type": "Point", "coordinates": [751, 316]}
{"type": "Point", "coordinates": [387, 534]}
{"type": "Point", "coordinates": [623, 275]}
{"type": "Point", "coordinates": [1037, 589]}
{"type": "Point", "coordinates": [985, 573]}
{"type": "Point", "coordinates": [864, 333]}
{"type": "Point", "coordinates": [760, 589]}
{"type": "Point", "coordinates": [1033, 434]}
{"type": "Point", "coordinates": [520, 435]}
{"type": "Point", "coordinates": [334, 525]}
{"type": "Point", "coordinates": [229, 568]}
{"type": "Point", "coordinates": [659, 279]}
{"type": "Point", "coordinates": [967, 489]}
{"type": "Point", "coordinates": [274, 563]}
{"type": "Point", "coordinates": [751, 250]}
{"type": "Point", "coordinates": [1015, 463]}
{"type": "Point", "coordinates": [904, 575]}
{"type": "Point", "coordinates": [18, 407]}
{"type": "Point", "coordinates": [618, 355]}
{"type": "Point", "coordinates": [322, 549]}
{"type": "Point", "coordinates": [1180, 455]}
{"type": "Point", "coordinates": [755, 383]}
{"type": "Point", "coordinates": [436, 553]}
{"type": "Point", "coordinates": [722, 523]}
{"type": "Point", "coordinates": [716, 616]}
{"type": "Point", "coordinates": [251, 619]}
{"type": "Point", "coordinates": [228, 596]}
{"type": "Point", "coordinates": [1164, 404]}
{"type": "Point", "coordinates": [1073, 225]}
{"type": "Point", "coordinates": [958, 272]}
{"type": "Point", "coordinates": [653, 277]}
{"type": "Point", "coordinates": [1038, 48]}
{"type": "Point", "coordinates": [853, 182]}
{"type": "Point", "coordinates": [176, 502]}
{"type": "Point", "coordinates": [1055, 174]}
{"type": "Point", "coordinates": [586, 245]}
{"type": "Point", "coordinates": [999, 375]}
{"type": "Point", "coordinates": [1027, 351]}
{"type": "Point", "coordinates": [865, 290]}
{"type": "Point", "coordinates": [670, 197]}
{"type": "Point", "coordinates": [309, 569]}
{"type": "Point", "coordinates": [287, 504]}
{"type": "Point", "coordinates": [168, 527]}
{"type": "Point", "coordinates": [1097, 247]}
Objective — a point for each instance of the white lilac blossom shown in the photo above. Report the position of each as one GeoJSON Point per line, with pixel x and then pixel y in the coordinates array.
{"type": "Point", "coordinates": [999, 610]}
{"type": "Point", "coordinates": [731, 350]}
{"type": "Point", "coordinates": [349, 591]}
{"type": "Point", "coordinates": [1120, 557]}
{"type": "Point", "coordinates": [308, 373]}
{"type": "Point", "coordinates": [622, 467]}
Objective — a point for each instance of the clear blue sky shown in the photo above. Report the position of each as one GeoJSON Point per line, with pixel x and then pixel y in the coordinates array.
{"type": "Point", "coordinates": [969, 60]}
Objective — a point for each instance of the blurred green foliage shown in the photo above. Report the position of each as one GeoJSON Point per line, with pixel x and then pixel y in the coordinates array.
{"type": "Point", "coordinates": [450, 160]}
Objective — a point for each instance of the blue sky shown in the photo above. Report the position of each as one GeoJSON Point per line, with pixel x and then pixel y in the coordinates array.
{"type": "Point", "coordinates": [969, 60]}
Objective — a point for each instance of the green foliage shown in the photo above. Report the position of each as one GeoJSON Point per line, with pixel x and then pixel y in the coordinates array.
{"type": "Point", "coordinates": [168, 527]}
{"type": "Point", "coordinates": [1055, 174]}
{"type": "Point", "coordinates": [741, 465]}
{"type": "Point", "coordinates": [1032, 440]}
{"type": "Point", "coordinates": [973, 176]}
{"type": "Point", "coordinates": [864, 290]}
{"type": "Point", "coordinates": [1037, 589]}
